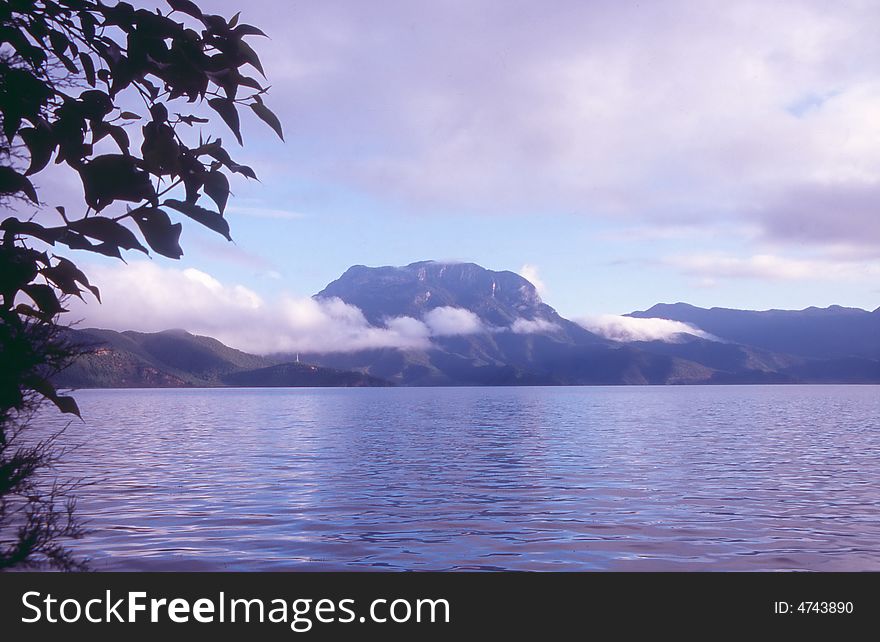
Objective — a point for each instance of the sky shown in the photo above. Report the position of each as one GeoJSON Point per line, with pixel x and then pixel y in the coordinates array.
{"type": "Point", "coordinates": [618, 154]}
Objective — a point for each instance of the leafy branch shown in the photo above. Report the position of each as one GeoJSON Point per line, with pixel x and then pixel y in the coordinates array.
{"type": "Point", "coordinates": [66, 90]}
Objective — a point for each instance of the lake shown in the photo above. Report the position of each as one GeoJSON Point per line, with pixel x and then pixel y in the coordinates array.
{"type": "Point", "coordinates": [580, 478]}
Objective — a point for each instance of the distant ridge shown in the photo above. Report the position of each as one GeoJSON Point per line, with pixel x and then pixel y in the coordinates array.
{"type": "Point", "coordinates": [178, 359]}
{"type": "Point", "coordinates": [288, 375]}
{"type": "Point", "coordinates": [572, 355]}
{"type": "Point", "coordinates": [520, 340]}
{"type": "Point", "coordinates": [832, 332]}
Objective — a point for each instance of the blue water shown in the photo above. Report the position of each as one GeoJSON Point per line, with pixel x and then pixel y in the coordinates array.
{"type": "Point", "coordinates": [627, 478]}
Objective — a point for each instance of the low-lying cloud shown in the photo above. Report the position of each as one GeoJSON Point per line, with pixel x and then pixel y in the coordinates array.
{"type": "Point", "coordinates": [448, 321]}
{"type": "Point", "coordinates": [626, 329]}
{"type": "Point", "coordinates": [145, 297]}
{"type": "Point", "coordinates": [530, 273]}
{"type": "Point", "coordinates": [533, 326]}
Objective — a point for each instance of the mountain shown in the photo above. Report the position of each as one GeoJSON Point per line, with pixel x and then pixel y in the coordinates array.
{"type": "Point", "coordinates": [499, 299]}
{"type": "Point", "coordinates": [729, 362]}
{"type": "Point", "coordinates": [176, 359]}
{"type": "Point", "coordinates": [819, 333]}
{"type": "Point", "coordinates": [289, 375]}
{"type": "Point", "coordinates": [492, 328]}
{"type": "Point", "coordinates": [523, 340]}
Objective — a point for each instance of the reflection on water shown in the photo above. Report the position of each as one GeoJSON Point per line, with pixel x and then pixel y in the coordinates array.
{"type": "Point", "coordinates": [636, 478]}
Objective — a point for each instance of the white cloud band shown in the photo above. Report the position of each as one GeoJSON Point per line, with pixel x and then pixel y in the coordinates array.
{"type": "Point", "coordinates": [626, 329]}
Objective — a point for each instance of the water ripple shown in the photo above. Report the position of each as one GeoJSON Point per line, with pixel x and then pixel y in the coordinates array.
{"type": "Point", "coordinates": [677, 478]}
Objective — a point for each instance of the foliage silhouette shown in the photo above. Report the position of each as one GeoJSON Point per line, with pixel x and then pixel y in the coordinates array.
{"type": "Point", "coordinates": [118, 96]}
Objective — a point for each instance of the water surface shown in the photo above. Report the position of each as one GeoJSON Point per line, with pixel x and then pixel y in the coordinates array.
{"type": "Point", "coordinates": [618, 478]}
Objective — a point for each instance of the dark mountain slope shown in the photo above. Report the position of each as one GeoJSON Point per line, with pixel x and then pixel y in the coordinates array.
{"type": "Point", "coordinates": [175, 358]}
{"type": "Point", "coordinates": [287, 375]}
{"type": "Point", "coordinates": [814, 332]}
{"type": "Point", "coordinates": [519, 340]}
{"type": "Point", "coordinates": [497, 298]}
{"type": "Point", "coordinates": [202, 357]}
{"type": "Point", "coordinates": [526, 341]}
{"type": "Point", "coordinates": [721, 356]}
{"type": "Point", "coordinates": [756, 347]}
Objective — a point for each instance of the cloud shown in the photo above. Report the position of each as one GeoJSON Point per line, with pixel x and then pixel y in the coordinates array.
{"type": "Point", "coordinates": [716, 265]}
{"type": "Point", "coordinates": [846, 211]}
{"type": "Point", "coordinates": [143, 296]}
{"type": "Point", "coordinates": [266, 212]}
{"type": "Point", "coordinates": [625, 329]}
{"type": "Point", "coordinates": [449, 321]}
{"type": "Point", "coordinates": [666, 231]}
{"type": "Point", "coordinates": [647, 111]}
{"type": "Point", "coordinates": [147, 297]}
{"type": "Point", "coordinates": [226, 252]}
{"type": "Point", "coordinates": [533, 326]}
{"type": "Point", "coordinates": [530, 273]}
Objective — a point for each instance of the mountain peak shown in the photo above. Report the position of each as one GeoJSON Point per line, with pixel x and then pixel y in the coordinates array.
{"type": "Point", "coordinates": [665, 310]}
{"type": "Point", "coordinates": [834, 331]}
{"type": "Point", "coordinates": [833, 309]}
{"type": "Point", "coordinates": [497, 297]}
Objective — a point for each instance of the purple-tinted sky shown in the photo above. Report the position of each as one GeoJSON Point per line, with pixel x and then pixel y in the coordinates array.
{"type": "Point", "coordinates": [623, 153]}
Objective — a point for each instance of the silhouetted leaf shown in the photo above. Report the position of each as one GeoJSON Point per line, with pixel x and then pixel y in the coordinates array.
{"type": "Point", "coordinates": [45, 298]}
{"type": "Point", "coordinates": [266, 115]}
{"type": "Point", "coordinates": [19, 267]}
{"type": "Point", "coordinates": [116, 56]}
{"type": "Point", "coordinates": [10, 126]}
{"type": "Point", "coordinates": [160, 149]}
{"type": "Point", "coordinates": [159, 113]}
{"type": "Point", "coordinates": [40, 144]}
{"type": "Point", "coordinates": [247, 81]}
{"type": "Point", "coordinates": [59, 42]}
{"type": "Point", "coordinates": [211, 220]}
{"type": "Point", "coordinates": [120, 137]}
{"type": "Point", "coordinates": [250, 56]}
{"type": "Point", "coordinates": [244, 170]}
{"type": "Point", "coordinates": [227, 111]}
{"type": "Point", "coordinates": [95, 104]}
{"type": "Point", "coordinates": [215, 24]}
{"type": "Point", "coordinates": [248, 30]}
{"type": "Point", "coordinates": [68, 278]}
{"type": "Point", "coordinates": [217, 188]}
{"type": "Point", "coordinates": [25, 310]}
{"type": "Point", "coordinates": [87, 22]}
{"type": "Point", "coordinates": [28, 228]}
{"type": "Point", "coordinates": [106, 229]}
{"type": "Point", "coordinates": [67, 405]}
{"type": "Point", "coordinates": [187, 7]}
{"type": "Point", "coordinates": [107, 249]}
{"type": "Point", "coordinates": [11, 182]}
{"type": "Point", "coordinates": [88, 66]}
{"type": "Point", "coordinates": [115, 177]}
{"type": "Point", "coordinates": [160, 234]}
{"type": "Point", "coordinates": [67, 62]}
{"type": "Point", "coordinates": [189, 120]}
{"type": "Point", "coordinates": [44, 387]}
{"type": "Point", "coordinates": [100, 129]}
{"type": "Point", "coordinates": [152, 89]}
